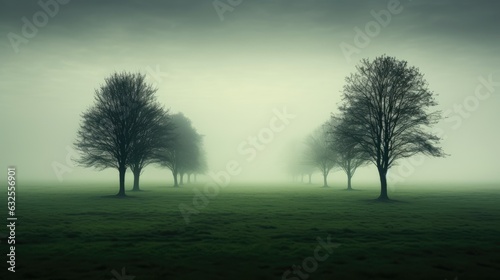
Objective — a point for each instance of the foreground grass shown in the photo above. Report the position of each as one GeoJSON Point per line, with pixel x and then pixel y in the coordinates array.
{"type": "Point", "coordinates": [257, 232]}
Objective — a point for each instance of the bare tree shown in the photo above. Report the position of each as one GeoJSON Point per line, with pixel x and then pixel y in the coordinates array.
{"type": "Point", "coordinates": [157, 133]}
{"type": "Point", "coordinates": [121, 115]}
{"type": "Point", "coordinates": [183, 153]}
{"type": "Point", "coordinates": [301, 168]}
{"type": "Point", "coordinates": [349, 155]}
{"type": "Point", "coordinates": [200, 165]}
{"type": "Point", "coordinates": [304, 168]}
{"type": "Point", "coordinates": [298, 164]}
{"type": "Point", "coordinates": [385, 114]}
{"type": "Point", "coordinates": [319, 152]}
{"type": "Point", "coordinates": [169, 159]}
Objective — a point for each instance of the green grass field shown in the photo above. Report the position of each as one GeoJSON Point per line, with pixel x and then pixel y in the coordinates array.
{"type": "Point", "coordinates": [257, 232]}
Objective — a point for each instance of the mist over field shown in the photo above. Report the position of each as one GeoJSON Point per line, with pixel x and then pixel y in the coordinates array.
{"type": "Point", "coordinates": [229, 75]}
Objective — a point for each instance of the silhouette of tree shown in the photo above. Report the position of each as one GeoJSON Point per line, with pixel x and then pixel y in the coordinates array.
{"type": "Point", "coordinates": [298, 163]}
{"type": "Point", "coordinates": [319, 152]}
{"type": "Point", "coordinates": [349, 155]}
{"type": "Point", "coordinates": [200, 165]}
{"type": "Point", "coordinates": [113, 129]}
{"type": "Point", "coordinates": [182, 153]}
{"type": "Point", "coordinates": [157, 131]}
{"type": "Point", "coordinates": [304, 168]}
{"type": "Point", "coordinates": [385, 114]}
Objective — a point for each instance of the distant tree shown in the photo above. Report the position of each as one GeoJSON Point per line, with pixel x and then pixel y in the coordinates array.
{"type": "Point", "coordinates": [301, 168]}
{"type": "Point", "coordinates": [349, 155]}
{"type": "Point", "coordinates": [151, 141]}
{"type": "Point", "coordinates": [200, 166]}
{"type": "Point", "coordinates": [306, 169]}
{"type": "Point", "coordinates": [169, 158]}
{"type": "Point", "coordinates": [182, 153]}
{"type": "Point", "coordinates": [298, 164]}
{"type": "Point", "coordinates": [319, 152]}
{"type": "Point", "coordinates": [124, 110]}
{"type": "Point", "coordinates": [385, 114]}
{"type": "Point", "coordinates": [191, 154]}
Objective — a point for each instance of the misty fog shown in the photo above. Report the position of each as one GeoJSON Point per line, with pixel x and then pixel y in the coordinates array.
{"type": "Point", "coordinates": [231, 76]}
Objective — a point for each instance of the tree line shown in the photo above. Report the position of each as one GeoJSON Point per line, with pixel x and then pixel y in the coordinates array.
{"type": "Point", "coordinates": [127, 127]}
{"type": "Point", "coordinates": [385, 115]}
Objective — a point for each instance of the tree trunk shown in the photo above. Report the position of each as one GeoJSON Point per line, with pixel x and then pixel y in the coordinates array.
{"type": "Point", "coordinates": [383, 185]}
{"type": "Point", "coordinates": [195, 177]}
{"type": "Point", "coordinates": [325, 183]}
{"type": "Point", "coordinates": [189, 178]}
{"type": "Point", "coordinates": [302, 178]}
{"type": "Point", "coordinates": [121, 171]}
{"type": "Point", "coordinates": [349, 188]}
{"type": "Point", "coordinates": [182, 179]}
{"type": "Point", "coordinates": [349, 175]}
{"type": "Point", "coordinates": [310, 175]}
{"type": "Point", "coordinates": [174, 173]}
{"type": "Point", "coordinates": [137, 174]}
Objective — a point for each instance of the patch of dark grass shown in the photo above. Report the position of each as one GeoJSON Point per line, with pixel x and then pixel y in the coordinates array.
{"type": "Point", "coordinates": [258, 233]}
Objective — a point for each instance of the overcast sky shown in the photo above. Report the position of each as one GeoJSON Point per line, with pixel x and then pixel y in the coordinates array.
{"type": "Point", "coordinates": [231, 65]}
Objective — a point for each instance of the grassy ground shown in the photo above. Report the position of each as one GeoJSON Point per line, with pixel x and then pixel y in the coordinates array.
{"type": "Point", "coordinates": [256, 232]}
